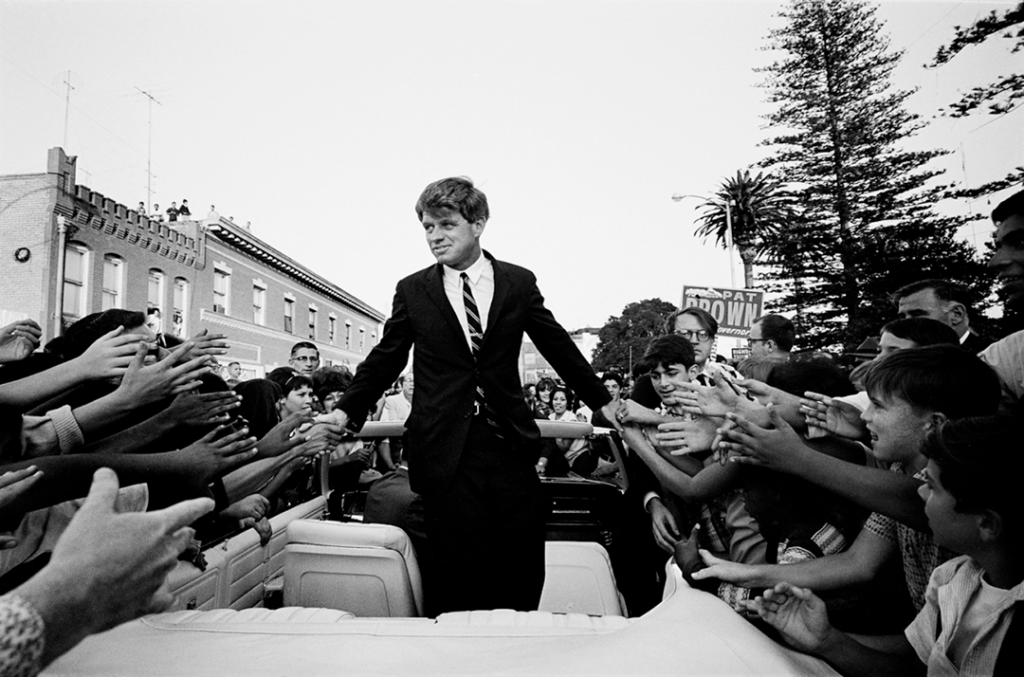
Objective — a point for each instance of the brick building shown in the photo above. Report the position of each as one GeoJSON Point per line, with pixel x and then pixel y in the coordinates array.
{"type": "Point", "coordinates": [67, 251]}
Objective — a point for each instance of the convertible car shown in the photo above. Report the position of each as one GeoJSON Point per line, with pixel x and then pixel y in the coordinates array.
{"type": "Point", "coordinates": [352, 605]}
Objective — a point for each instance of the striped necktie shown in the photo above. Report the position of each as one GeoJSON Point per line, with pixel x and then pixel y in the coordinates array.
{"type": "Point", "coordinates": [476, 335]}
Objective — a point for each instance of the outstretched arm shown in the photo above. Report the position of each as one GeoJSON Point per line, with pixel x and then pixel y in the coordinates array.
{"type": "Point", "coordinates": [801, 618]}
{"type": "Point", "coordinates": [780, 448]}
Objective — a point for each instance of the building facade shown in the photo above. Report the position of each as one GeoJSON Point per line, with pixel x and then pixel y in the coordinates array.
{"type": "Point", "coordinates": [67, 251]}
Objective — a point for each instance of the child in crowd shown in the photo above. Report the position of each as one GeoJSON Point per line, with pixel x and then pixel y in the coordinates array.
{"type": "Point", "coordinates": [970, 498]}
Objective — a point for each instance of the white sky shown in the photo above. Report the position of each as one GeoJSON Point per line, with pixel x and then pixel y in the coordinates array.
{"type": "Point", "coordinates": [321, 122]}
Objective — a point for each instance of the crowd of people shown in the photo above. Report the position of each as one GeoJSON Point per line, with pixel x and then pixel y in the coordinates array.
{"type": "Point", "coordinates": [865, 516]}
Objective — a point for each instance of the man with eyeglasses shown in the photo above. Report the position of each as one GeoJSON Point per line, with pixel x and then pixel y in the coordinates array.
{"type": "Point", "coordinates": [771, 337]}
{"type": "Point", "coordinates": [305, 358]}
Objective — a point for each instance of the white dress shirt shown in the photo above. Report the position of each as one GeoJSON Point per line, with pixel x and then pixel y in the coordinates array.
{"type": "Point", "coordinates": [481, 281]}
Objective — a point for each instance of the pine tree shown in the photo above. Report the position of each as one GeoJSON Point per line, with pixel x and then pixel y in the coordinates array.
{"type": "Point", "coordinates": [866, 224]}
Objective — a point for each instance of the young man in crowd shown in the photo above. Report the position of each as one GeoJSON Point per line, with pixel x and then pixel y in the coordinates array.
{"type": "Point", "coordinates": [911, 391]}
{"type": "Point", "coordinates": [970, 498]}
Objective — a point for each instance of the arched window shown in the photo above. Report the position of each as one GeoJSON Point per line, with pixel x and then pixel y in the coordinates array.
{"type": "Point", "coordinates": [179, 307]}
{"type": "Point", "coordinates": [155, 296]}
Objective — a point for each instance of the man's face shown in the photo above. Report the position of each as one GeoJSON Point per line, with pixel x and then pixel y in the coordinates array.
{"type": "Point", "coordinates": [758, 346]}
{"type": "Point", "coordinates": [234, 370]}
{"type": "Point", "coordinates": [897, 428]}
{"type": "Point", "coordinates": [408, 386]}
{"type": "Point", "coordinates": [889, 344]}
{"type": "Point", "coordinates": [614, 389]}
{"type": "Point", "coordinates": [153, 322]}
{"type": "Point", "coordinates": [951, 529]}
{"type": "Point", "coordinates": [926, 304]}
{"type": "Point", "coordinates": [1008, 260]}
{"type": "Point", "coordinates": [453, 240]}
{"type": "Point", "coordinates": [689, 327]}
{"type": "Point", "coordinates": [666, 380]}
{"type": "Point", "coordinates": [305, 361]}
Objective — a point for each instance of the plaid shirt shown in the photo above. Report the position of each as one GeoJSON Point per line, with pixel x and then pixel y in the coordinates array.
{"type": "Point", "coordinates": [921, 555]}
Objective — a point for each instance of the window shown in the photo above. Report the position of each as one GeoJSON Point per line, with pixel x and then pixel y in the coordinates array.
{"type": "Point", "coordinates": [332, 323]}
{"type": "Point", "coordinates": [259, 304]}
{"type": "Point", "coordinates": [179, 307]}
{"type": "Point", "coordinates": [289, 314]}
{"type": "Point", "coordinates": [312, 323]}
{"type": "Point", "coordinates": [373, 339]}
{"type": "Point", "coordinates": [113, 282]}
{"type": "Point", "coordinates": [362, 338]}
{"type": "Point", "coordinates": [155, 295]}
{"type": "Point", "coordinates": [348, 334]}
{"type": "Point", "coordinates": [76, 272]}
{"type": "Point", "coordinates": [221, 291]}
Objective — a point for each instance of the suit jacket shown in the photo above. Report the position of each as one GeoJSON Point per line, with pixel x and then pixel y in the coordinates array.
{"type": "Point", "coordinates": [422, 319]}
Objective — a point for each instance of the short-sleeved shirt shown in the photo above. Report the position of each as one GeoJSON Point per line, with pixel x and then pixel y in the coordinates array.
{"type": "Point", "coordinates": [952, 589]}
{"type": "Point", "coordinates": [921, 555]}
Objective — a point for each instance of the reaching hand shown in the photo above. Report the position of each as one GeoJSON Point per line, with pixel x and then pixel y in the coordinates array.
{"type": "Point", "coordinates": [798, 614]}
{"type": "Point", "coordinates": [688, 559]}
{"type": "Point", "coordinates": [666, 533]}
{"type": "Point", "coordinates": [834, 416]}
{"type": "Point", "coordinates": [143, 384]}
{"type": "Point", "coordinates": [16, 482]}
{"type": "Point", "coordinates": [715, 400]}
{"type": "Point", "coordinates": [776, 447]}
{"type": "Point", "coordinates": [252, 507]}
{"type": "Point", "coordinates": [107, 567]}
{"type": "Point", "coordinates": [110, 355]}
{"type": "Point", "coordinates": [18, 340]}
{"type": "Point", "coordinates": [686, 437]}
{"type": "Point", "coordinates": [285, 435]}
{"type": "Point", "coordinates": [204, 343]}
{"type": "Point", "coordinates": [631, 413]}
{"type": "Point", "coordinates": [201, 409]}
{"type": "Point", "coordinates": [723, 569]}
{"type": "Point", "coordinates": [216, 452]}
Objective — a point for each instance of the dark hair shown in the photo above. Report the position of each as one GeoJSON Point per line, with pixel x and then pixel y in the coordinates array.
{"type": "Point", "coordinates": [281, 375]}
{"type": "Point", "coordinates": [980, 463]}
{"type": "Point", "coordinates": [923, 331]}
{"type": "Point", "coordinates": [304, 344]}
{"type": "Point", "coordinates": [457, 194]}
{"type": "Point", "coordinates": [779, 329]}
{"type": "Point", "coordinates": [707, 321]}
{"type": "Point", "coordinates": [819, 375]}
{"type": "Point", "coordinates": [231, 363]}
{"type": "Point", "coordinates": [942, 378]}
{"type": "Point", "coordinates": [613, 376]}
{"type": "Point", "coordinates": [943, 289]}
{"type": "Point", "coordinates": [757, 368]}
{"type": "Point", "coordinates": [259, 404]}
{"type": "Point", "coordinates": [546, 384]}
{"type": "Point", "coordinates": [1009, 207]}
{"type": "Point", "coordinates": [663, 352]}
{"type": "Point", "coordinates": [327, 380]}
{"type": "Point", "coordinates": [295, 382]}
{"type": "Point", "coordinates": [153, 310]}
{"type": "Point", "coordinates": [569, 399]}
{"type": "Point", "coordinates": [79, 336]}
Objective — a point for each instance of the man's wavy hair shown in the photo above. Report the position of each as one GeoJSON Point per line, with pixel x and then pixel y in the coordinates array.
{"type": "Point", "coordinates": [456, 194]}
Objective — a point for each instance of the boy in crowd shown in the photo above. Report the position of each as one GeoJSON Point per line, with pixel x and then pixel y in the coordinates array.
{"type": "Point", "coordinates": [911, 391]}
{"type": "Point", "coordinates": [970, 497]}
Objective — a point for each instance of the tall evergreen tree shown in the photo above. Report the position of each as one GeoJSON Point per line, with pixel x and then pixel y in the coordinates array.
{"type": "Point", "coordinates": [867, 224]}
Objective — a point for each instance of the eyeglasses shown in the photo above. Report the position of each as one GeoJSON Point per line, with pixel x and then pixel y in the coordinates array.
{"type": "Point", "coordinates": [306, 358]}
{"type": "Point", "coordinates": [699, 335]}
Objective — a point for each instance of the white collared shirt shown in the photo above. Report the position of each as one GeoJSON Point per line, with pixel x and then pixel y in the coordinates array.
{"type": "Point", "coordinates": [481, 281]}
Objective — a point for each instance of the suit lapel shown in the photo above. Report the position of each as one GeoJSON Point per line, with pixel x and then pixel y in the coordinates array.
{"type": "Point", "coordinates": [436, 293]}
{"type": "Point", "coordinates": [501, 288]}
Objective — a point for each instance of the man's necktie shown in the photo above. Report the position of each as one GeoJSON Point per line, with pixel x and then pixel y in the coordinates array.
{"type": "Point", "coordinates": [476, 336]}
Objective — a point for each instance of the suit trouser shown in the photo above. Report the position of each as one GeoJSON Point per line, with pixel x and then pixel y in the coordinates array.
{"type": "Point", "coordinates": [486, 531]}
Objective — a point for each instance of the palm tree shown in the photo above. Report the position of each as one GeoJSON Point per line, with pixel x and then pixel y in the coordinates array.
{"type": "Point", "coordinates": [760, 207]}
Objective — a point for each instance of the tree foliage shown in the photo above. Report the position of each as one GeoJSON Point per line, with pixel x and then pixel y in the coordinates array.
{"type": "Point", "coordinates": [1001, 96]}
{"type": "Point", "coordinates": [866, 224]}
{"type": "Point", "coordinates": [759, 208]}
{"type": "Point", "coordinates": [623, 339]}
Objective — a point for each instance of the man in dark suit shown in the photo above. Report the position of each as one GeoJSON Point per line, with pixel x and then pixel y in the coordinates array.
{"type": "Point", "coordinates": [471, 441]}
{"type": "Point", "coordinates": [947, 302]}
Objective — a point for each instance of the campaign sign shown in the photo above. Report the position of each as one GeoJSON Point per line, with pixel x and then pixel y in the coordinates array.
{"type": "Point", "coordinates": [733, 309]}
